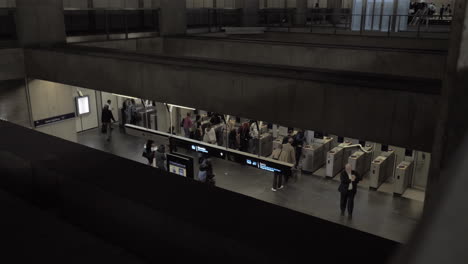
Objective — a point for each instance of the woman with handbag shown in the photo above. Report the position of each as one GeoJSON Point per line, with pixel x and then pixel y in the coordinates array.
{"type": "Point", "coordinates": [277, 177]}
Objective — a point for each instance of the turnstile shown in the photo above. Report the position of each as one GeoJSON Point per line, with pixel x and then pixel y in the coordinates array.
{"type": "Point", "coordinates": [360, 162]}
{"type": "Point", "coordinates": [327, 145]}
{"type": "Point", "coordinates": [313, 157]}
{"type": "Point", "coordinates": [334, 162]}
{"type": "Point", "coordinates": [381, 169]}
{"type": "Point", "coordinates": [403, 173]}
{"type": "Point", "coordinates": [266, 144]}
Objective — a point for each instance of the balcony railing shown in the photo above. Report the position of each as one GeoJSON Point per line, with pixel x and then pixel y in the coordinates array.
{"type": "Point", "coordinates": [341, 21]}
{"type": "Point", "coordinates": [95, 21]}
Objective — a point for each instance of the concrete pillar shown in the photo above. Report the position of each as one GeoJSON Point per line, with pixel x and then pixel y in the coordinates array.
{"type": "Point", "coordinates": [301, 12]}
{"type": "Point", "coordinates": [40, 23]}
{"type": "Point", "coordinates": [335, 5]}
{"type": "Point", "coordinates": [155, 3]}
{"type": "Point", "coordinates": [452, 124]}
{"type": "Point", "coordinates": [173, 18]}
{"type": "Point", "coordinates": [250, 10]}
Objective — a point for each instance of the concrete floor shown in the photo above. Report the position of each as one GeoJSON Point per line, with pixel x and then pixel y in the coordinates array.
{"type": "Point", "coordinates": [375, 212]}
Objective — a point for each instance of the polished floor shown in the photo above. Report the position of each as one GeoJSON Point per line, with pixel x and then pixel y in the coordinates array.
{"type": "Point", "coordinates": [375, 212]}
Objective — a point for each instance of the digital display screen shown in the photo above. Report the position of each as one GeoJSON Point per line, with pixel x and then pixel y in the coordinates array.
{"type": "Point", "coordinates": [257, 163]}
{"type": "Point", "coordinates": [180, 165]}
{"type": "Point", "coordinates": [82, 105]}
{"type": "Point", "coordinates": [200, 148]}
{"type": "Point", "coordinates": [178, 168]}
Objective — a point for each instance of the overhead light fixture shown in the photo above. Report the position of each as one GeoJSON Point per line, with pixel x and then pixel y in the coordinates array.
{"type": "Point", "coordinates": [124, 96]}
{"type": "Point", "coordinates": [179, 106]}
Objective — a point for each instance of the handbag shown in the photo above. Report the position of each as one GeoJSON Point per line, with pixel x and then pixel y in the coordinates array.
{"type": "Point", "coordinates": [145, 154]}
{"type": "Point", "coordinates": [278, 155]}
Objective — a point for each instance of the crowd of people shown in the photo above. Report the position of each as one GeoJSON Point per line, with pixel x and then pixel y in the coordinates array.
{"type": "Point", "coordinates": [244, 138]}
{"type": "Point", "coordinates": [444, 10]}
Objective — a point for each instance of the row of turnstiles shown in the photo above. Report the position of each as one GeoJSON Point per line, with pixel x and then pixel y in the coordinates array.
{"type": "Point", "coordinates": [381, 169]}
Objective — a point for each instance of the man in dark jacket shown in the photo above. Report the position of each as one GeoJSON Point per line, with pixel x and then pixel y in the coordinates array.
{"type": "Point", "coordinates": [348, 189]}
{"type": "Point", "coordinates": [107, 118]}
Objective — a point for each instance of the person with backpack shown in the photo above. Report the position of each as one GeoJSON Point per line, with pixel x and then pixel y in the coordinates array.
{"type": "Point", "coordinates": [277, 177]}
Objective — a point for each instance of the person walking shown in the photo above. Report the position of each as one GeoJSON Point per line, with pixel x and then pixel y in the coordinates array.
{"type": "Point", "coordinates": [149, 152]}
{"type": "Point", "coordinates": [161, 158]}
{"type": "Point", "coordinates": [253, 133]}
{"type": "Point", "coordinates": [107, 118]}
{"type": "Point", "coordinates": [288, 155]}
{"type": "Point", "coordinates": [277, 177]}
{"type": "Point", "coordinates": [348, 189]}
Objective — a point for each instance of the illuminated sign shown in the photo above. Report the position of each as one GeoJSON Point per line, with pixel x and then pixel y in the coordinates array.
{"type": "Point", "coordinates": [82, 105]}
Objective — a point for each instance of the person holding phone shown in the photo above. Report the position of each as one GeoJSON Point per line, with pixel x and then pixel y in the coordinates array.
{"type": "Point", "coordinates": [348, 189]}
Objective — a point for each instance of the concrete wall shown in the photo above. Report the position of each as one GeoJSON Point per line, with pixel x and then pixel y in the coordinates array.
{"type": "Point", "coordinates": [13, 102]}
{"type": "Point", "coordinates": [398, 118]}
{"type": "Point", "coordinates": [11, 64]}
{"type": "Point", "coordinates": [386, 61]}
{"type": "Point", "coordinates": [50, 99]}
{"type": "Point", "coordinates": [402, 63]}
{"type": "Point", "coordinates": [7, 3]}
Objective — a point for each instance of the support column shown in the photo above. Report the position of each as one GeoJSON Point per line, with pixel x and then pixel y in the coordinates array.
{"type": "Point", "coordinates": [452, 124]}
{"type": "Point", "coordinates": [301, 12]}
{"type": "Point", "coordinates": [173, 18]}
{"type": "Point", "coordinates": [249, 12]}
{"type": "Point", "coordinates": [40, 23]}
{"type": "Point", "coordinates": [336, 6]}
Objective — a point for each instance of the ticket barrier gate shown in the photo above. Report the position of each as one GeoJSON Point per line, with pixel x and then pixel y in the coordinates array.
{"type": "Point", "coordinates": [403, 175]}
{"type": "Point", "coordinates": [347, 152]}
{"type": "Point", "coordinates": [334, 162]}
{"type": "Point", "coordinates": [313, 157]}
{"type": "Point", "coordinates": [266, 144]}
{"type": "Point", "coordinates": [382, 169]}
{"type": "Point", "coordinates": [327, 146]}
{"type": "Point", "coordinates": [360, 161]}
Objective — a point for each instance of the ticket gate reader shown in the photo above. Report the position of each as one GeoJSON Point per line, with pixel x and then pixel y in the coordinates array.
{"type": "Point", "coordinates": [381, 169]}
{"type": "Point", "coordinates": [403, 175]}
{"type": "Point", "coordinates": [334, 162]}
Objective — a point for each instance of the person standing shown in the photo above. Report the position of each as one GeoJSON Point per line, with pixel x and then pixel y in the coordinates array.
{"type": "Point", "coordinates": [149, 152]}
{"type": "Point", "coordinates": [161, 158]}
{"type": "Point", "coordinates": [244, 136]}
{"type": "Point", "coordinates": [210, 135]}
{"type": "Point", "coordinates": [205, 173]}
{"type": "Point", "coordinates": [288, 155]}
{"type": "Point", "coordinates": [253, 133]}
{"type": "Point", "coordinates": [277, 177]}
{"type": "Point", "coordinates": [298, 144]}
{"type": "Point", "coordinates": [187, 124]}
{"type": "Point", "coordinates": [348, 189]}
{"type": "Point", "coordinates": [107, 118]}
{"type": "Point", "coordinates": [441, 12]}
{"type": "Point", "coordinates": [109, 104]}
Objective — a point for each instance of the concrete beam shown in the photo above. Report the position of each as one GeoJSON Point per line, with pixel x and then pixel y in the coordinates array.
{"type": "Point", "coordinates": [403, 118]}
{"type": "Point", "coordinates": [40, 22]}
